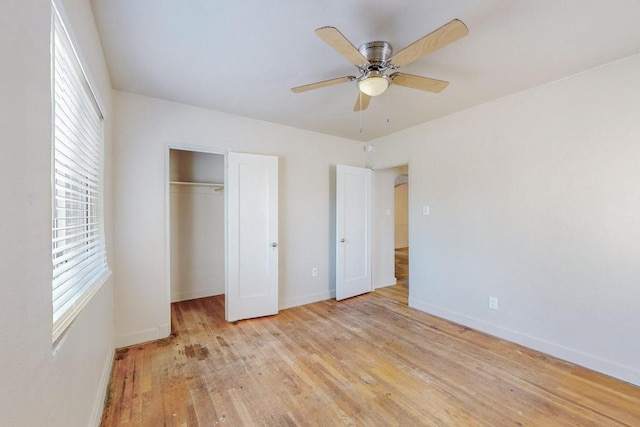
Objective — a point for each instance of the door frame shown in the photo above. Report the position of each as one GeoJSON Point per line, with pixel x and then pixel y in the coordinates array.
{"type": "Point", "coordinates": [167, 214]}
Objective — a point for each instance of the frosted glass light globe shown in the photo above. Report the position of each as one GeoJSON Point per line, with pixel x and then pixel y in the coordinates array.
{"type": "Point", "coordinates": [373, 85]}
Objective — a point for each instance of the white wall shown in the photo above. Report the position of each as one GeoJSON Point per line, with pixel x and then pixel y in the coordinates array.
{"type": "Point", "coordinates": [535, 199]}
{"type": "Point", "coordinates": [197, 226]}
{"type": "Point", "coordinates": [42, 384]}
{"type": "Point", "coordinates": [144, 128]}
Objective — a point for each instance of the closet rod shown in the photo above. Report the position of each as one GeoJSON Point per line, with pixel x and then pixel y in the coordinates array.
{"type": "Point", "coordinates": [203, 184]}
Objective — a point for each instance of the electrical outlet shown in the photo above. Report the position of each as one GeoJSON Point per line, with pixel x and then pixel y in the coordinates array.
{"type": "Point", "coordinates": [493, 303]}
{"type": "Point", "coordinates": [314, 272]}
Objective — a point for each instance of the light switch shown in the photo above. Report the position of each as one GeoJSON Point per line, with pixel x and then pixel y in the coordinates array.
{"type": "Point", "coordinates": [425, 210]}
{"type": "Point", "coordinates": [387, 212]}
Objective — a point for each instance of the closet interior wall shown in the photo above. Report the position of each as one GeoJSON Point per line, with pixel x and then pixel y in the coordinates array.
{"type": "Point", "coordinates": [197, 224]}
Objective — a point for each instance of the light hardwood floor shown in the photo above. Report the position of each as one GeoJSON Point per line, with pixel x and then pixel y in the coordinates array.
{"type": "Point", "coordinates": [402, 266]}
{"type": "Point", "coordinates": [366, 361]}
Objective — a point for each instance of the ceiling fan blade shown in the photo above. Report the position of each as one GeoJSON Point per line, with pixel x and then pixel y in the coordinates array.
{"type": "Point", "coordinates": [341, 44]}
{"type": "Point", "coordinates": [362, 102]}
{"type": "Point", "coordinates": [325, 83]}
{"type": "Point", "coordinates": [441, 37]}
{"type": "Point", "coordinates": [418, 82]}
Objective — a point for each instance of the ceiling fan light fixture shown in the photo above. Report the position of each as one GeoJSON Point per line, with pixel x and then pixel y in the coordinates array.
{"type": "Point", "coordinates": [374, 59]}
{"type": "Point", "coordinates": [374, 83]}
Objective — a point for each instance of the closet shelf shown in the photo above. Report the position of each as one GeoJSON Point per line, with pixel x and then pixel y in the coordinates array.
{"type": "Point", "coordinates": [200, 184]}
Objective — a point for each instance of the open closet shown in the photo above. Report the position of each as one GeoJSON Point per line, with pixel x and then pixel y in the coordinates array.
{"type": "Point", "coordinates": [197, 227]}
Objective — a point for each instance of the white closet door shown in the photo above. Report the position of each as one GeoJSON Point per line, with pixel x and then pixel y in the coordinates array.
{"type": "Point", "coordinates": [251, 189]}
{"type": "Point", "coordinates": [353, 231]}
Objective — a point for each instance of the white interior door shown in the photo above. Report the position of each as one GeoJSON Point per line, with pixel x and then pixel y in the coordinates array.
{"type": "Point", "coordinates": [353, 231]}
{"type": "Point", "coordinates": [251, 189]}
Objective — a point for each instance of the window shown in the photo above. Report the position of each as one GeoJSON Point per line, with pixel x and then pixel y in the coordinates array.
{"type": "Point", "coordinates": [78, 245]}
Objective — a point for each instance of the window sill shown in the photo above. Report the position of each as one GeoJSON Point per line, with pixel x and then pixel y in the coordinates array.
{"type": "Point", "coordinates": [63, 324]}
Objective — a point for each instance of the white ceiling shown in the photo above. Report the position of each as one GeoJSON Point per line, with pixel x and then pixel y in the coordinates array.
{"type": "Point", "coordinates": [242, 57]}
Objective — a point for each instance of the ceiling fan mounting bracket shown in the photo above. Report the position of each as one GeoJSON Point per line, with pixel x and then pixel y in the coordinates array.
{"type": "Point", "coordinates": [377, 53]}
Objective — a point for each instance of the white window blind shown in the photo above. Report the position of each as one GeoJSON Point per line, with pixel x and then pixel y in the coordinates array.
{"type": "Point", "coordinates": [78, 246]}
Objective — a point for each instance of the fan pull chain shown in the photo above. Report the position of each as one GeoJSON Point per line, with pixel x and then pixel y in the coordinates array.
{"type": "Point", "coordinates": [360, 101]}
{"type": "Point", "coordinates": [387, 106]}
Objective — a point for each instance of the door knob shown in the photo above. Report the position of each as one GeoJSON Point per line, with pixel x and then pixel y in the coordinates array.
{"type": "Point", "coordinates": [342, 240]}
{"type": "Point", "coordinates": [274, 244]}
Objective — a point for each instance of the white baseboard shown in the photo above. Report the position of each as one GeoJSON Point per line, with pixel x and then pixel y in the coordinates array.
{"type": "Point", "coordinates": [103, 388]}
{"type": "Point", "coordinates": [193, 294]}
{"type": "Point", "coordinates": [307, 299]}
{"type": "Point", "coordinates": [616, 370]}
{"type": "Point", "coordinates": [389, 281]}
{"type": "Point", "coordinates": [139, 337]}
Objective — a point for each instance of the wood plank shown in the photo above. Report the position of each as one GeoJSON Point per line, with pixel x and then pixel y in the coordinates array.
{"type": "Point", "coordinates": [369, 360]}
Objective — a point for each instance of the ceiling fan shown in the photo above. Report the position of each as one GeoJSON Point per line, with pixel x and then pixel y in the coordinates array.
{"type": "Point", "coordinates": [375, 59]}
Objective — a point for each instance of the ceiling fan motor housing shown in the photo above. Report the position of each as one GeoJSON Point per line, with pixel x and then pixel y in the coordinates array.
{"type": "Point", "coordinates": [377, 53]}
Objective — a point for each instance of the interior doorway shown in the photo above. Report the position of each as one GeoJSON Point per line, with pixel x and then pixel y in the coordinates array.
{"type": "Point", "coordinates": [401, 229]}
{"type": "Point", "coordinates": [391, 229]}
